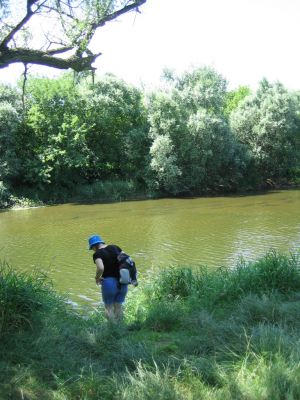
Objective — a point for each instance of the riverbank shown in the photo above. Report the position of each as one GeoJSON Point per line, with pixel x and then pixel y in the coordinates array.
{"type": "Point", "coordinates": [115, 191]}
{"type": "Point", "coordinates": [97, 192]}
{"type": "Point", "coordinates": [189, 334]}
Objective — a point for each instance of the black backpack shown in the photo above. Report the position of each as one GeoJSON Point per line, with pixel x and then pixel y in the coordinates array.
{"type": "Point", "coordinates": [126, 263]}
{"type": "Point", "coordinates": [127, 268]}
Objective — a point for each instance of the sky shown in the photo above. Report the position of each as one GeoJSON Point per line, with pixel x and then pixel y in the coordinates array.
{"type": "Point", "coordinates": [243, 40]}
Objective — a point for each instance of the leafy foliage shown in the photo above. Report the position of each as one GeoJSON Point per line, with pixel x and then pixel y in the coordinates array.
{"type": "Point", "coordinates": [234, 97]}
{"type": "Point", "coordinates": [10, 121]}
{"type": "Point", "coordinates": [193, 147]}
{"type": "Point", "coordinates": [190, 136]}
{"type": "Point", "coordinates": [117, 136]}
{"type": "Point", "coordinates": [268, 124]}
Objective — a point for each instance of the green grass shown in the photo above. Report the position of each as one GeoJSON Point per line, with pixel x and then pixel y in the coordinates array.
{"type": "Point", "coordinates": [189, 334]}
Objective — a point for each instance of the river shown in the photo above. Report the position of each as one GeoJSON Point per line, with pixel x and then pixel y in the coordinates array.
{"type": "Point", "coordinates": [198, 231]}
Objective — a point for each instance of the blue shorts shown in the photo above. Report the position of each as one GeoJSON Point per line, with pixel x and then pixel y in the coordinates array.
{"type": "Point", "coordinates": [112, 291]}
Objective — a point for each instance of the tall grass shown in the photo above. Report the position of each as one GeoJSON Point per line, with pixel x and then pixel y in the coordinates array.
{"type": "Point", "coordinates": [189, 334]}
{"type": "Point", "coordinates": [273, 272]}
{"type": "Point", "coordinates": [23, 297]}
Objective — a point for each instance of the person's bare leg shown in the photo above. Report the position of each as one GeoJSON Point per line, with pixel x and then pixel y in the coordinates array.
{"type": "Point", "coordinates": [110, 312]}
{"type": "Point", "coordinates": [118, 311]}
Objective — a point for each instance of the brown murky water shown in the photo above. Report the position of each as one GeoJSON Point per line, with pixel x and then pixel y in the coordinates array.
{"type": "Point", "coordinates": [210, 231]}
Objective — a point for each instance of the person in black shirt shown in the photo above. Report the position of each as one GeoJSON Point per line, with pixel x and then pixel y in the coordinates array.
{"type": "Point", "coordinates": [107, 274]}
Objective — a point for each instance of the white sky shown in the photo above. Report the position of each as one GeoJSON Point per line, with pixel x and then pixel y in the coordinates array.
{"type": "Point", "coordinates": [244, 40]}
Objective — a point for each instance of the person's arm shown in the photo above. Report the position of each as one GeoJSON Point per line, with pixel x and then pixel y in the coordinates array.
{"type": "Point", "coordinates": [99, 270]}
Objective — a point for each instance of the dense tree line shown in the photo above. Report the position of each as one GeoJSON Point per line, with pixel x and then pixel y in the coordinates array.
{"type": "Point", "coordinates": [191, 136]}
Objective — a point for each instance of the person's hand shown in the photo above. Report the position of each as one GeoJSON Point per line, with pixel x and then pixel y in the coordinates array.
{"type": "Point", "coordinates": [98, 280]}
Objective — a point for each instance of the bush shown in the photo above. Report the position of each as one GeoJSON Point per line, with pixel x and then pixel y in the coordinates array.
{"type": "Point", "coordinates": [268, 123]}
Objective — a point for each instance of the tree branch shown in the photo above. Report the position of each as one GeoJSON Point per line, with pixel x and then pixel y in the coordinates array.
{"type": "Point", "coordinates": [11, 34]}
{"type": "Point", "coordinates": [58, 50]}
{"type": "Point", "coordinates": [117, 13]}
{"type": "Point", "coordinates": [102, 21]}
{"type": "Point", "coordinates": [10, 56]}
{"type": "Point", "coordinates": [82, 59]}
{"type": "Point", "coordinates": [24, 21]}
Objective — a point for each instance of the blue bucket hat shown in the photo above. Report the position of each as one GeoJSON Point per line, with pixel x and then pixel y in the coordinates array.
{"type": "Point", "coordinates": [95, 239]}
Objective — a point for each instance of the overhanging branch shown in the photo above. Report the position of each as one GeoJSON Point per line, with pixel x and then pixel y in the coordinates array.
{"type": "Point", "coordinates": [86, 38]}
{"type": "Point", "coordinates": [117, 13]}
{"type": "Point", "coordinates": [81, 60]}
{"type": "Point", "coordinates": [26, 56]}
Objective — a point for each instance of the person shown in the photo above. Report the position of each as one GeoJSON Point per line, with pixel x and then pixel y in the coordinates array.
{"type": "Point", "coordinates": [107, 275]}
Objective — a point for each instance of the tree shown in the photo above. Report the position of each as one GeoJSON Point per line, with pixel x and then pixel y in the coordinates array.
{"type": "Point", "coordinates": [77, 133]}
{"type": "Point", "coordinates": [117, 135]}
{"type": "Point", "coordinates": [164, 163]}
{"type": "Point", "coordinates": [10, 121]}
{"type": "Point", "coordinates": [193, 149]}
{"type": "Point", "coordinates": [71, 25]}
{"type": "Point", "coordinates": [268, 124]}
{"type": "Point", "coordinates": [234, 97]}
{"type": "Point", "coordinates": [56, 134]}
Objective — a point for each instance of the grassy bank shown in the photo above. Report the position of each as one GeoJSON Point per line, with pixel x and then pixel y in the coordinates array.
{"type": "Point", "coordinates": [109, 191]}
{"type": "Point", "coordinates": [97, 192]}
{"type": "Point", "coordinates": [189, 334]}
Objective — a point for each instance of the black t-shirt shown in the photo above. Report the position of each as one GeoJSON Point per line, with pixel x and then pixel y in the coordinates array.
{"type": "Point", "coordinates": [108, 256]}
